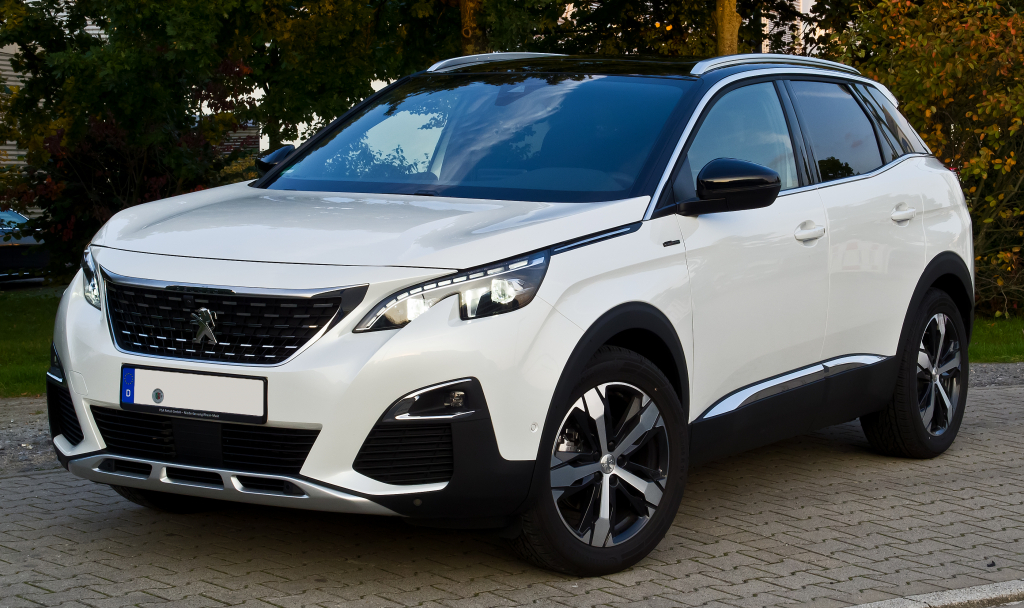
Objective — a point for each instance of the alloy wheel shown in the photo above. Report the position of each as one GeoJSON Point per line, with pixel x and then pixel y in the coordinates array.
{"type": "Point", "coordinates": [609, 464]}
{"type": "Point", "coordinates": [939, 364]}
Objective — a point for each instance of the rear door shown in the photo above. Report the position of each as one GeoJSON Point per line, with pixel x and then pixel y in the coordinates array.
{"type": "Point", "coordinates": [876, 234]}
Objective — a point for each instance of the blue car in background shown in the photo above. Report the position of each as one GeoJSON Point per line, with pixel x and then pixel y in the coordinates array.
{"type": "Point", "coordinates": [22, 257]}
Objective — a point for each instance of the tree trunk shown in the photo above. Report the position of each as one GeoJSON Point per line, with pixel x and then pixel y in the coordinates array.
{"type": "Point", "coordinates": [728, 22]}
{"type": "Point", "coordinates": [473, 40]}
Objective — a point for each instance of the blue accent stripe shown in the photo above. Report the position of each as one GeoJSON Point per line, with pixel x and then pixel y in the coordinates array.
{"type": "Point", "coordinates": [128, 385]}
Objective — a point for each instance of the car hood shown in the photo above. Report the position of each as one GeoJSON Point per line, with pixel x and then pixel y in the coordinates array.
{"type": "Point", "coordinates": [239, 222]}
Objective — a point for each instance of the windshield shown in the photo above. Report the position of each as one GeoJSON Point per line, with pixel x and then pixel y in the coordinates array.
{"type": "Point", "coordinates": [512, 137]}
{"type": "Point", "coordinates": [11, 219]}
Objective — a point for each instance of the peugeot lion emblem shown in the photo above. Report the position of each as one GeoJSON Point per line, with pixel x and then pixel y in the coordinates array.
{"type": "Point", "coordinates": [204, 317]}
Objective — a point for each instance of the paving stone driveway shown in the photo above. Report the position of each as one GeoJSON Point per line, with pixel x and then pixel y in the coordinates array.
{"type": "Point", "coordinates": [819, 520]}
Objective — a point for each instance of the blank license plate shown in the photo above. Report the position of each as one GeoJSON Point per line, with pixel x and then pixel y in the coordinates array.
{"type": "Point", "coordinates": [220, 397]}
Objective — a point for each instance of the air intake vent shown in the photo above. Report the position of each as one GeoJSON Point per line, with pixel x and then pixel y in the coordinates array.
{"type": "Point", "coordinates": [253, 330]}
{"type": "Point", "coordinates": [407, 453]}
{"type": "Point", "coordinates": [61, 412]}
{"type": "Point", "coordinates": [239, 447]}
{"type": "Point", "coordinates": [134, 434]}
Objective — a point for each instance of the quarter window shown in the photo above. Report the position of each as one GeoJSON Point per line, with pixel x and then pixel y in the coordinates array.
{"type": "Point", "coordinates": [841, 137]}
{"type": "Point", "coordinates": [747, 124]}
{"type": "Point", "coordinates": [902, 137]}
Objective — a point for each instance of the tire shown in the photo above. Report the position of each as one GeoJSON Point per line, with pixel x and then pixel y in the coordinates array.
{"type": "Point", "coordinates": [923, 417]}
{"type": "Point", "coordinates": [164, 501]}
{"type": "Point", "coordinates": [564, 530]}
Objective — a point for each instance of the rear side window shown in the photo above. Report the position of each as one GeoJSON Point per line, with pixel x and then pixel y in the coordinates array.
{"type": "Point", "coordinates": [841, 136]}
{"type": "Point", "coordinates": [749, 124]}
{"type": "Point", "coordinates": [902, 138]}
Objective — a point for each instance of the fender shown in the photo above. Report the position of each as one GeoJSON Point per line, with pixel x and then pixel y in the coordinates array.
{"type": "Point", "coordinates": [612, 324]}
{"type": "Point", "coordinates": [946, 271]}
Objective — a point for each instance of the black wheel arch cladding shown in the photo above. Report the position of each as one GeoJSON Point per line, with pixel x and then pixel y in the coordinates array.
{"type": "Point", "coordinates": [635, 326]}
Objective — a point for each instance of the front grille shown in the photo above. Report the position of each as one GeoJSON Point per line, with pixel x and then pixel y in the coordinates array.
{"type": "Point", "coordinates": [266, 449]}
{"type": "Point", "coordinates": [61, 412]}
{"type": "Point", "coordinates": [407, 453]}
{"type": "Point", "coordinates": [256, 449]}
{"type": "Point", "coordinates": [253, 330]}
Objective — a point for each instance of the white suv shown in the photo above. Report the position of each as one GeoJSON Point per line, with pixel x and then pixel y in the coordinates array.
{"type": "Point", "coordinates": [527, 292]}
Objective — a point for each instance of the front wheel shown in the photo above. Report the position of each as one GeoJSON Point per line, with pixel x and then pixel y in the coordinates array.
{"type": "Point", "coordinates": [616, 466]}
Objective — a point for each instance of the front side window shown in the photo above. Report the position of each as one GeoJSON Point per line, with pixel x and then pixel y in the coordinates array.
{"type": "Point", "coordinates": [747, 124]}
{"type": "Point", "coordinates": [558, 137]}
{"type": "Point", "coordinates": [841, 136]}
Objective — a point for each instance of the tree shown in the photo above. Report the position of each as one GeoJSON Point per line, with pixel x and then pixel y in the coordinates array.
{"type": "Point", "coordinates": [956, 67]}
{"type": "Point", "coordinates": [111, 120]}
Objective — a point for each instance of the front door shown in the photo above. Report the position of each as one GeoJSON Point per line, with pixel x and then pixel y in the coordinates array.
{"type": "Point", "coordinates": [759, 278]}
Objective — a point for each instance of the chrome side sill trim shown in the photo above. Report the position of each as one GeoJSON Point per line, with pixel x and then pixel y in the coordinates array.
{"type": "Point", "coordinates": [316, 498]}
{"type": "Point", "coordinates": [785, 382]}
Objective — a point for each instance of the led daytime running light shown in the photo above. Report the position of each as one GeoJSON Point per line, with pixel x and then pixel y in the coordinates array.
{"type": "Point", "coordinates": [483, 292]}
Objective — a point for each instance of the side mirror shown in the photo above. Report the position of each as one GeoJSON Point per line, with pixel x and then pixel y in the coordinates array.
{"type": "Point", "coordinates": [266, 163]}
{"type": "Point", "coordinates": [728, 184]}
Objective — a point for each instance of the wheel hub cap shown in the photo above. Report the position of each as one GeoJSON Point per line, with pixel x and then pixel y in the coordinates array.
{"type": "Point", "coordinates": [609, 464]}
{"type": "Point", "coordinates": [939, 365]}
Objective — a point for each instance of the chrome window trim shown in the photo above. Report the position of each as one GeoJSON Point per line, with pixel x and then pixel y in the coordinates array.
{"type": "Point", "coordinates": [718, 63]}
{"type": "Point", "coordinates": [787, 381]}
{"type": "Point", "coordinates": [854, 178]}
{"type": "Point", "coordinates": [718, 86]}
{"type": "Point", "coordinates": [216, 289]}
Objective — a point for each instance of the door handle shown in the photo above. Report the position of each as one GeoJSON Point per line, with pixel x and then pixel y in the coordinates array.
{"type": "Point", "coordinates": [803, 234]}
{"type": "Point", "coordinates": [903, 215]}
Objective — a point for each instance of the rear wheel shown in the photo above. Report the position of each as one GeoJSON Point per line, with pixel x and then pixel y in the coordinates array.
{"type": "Point", "coordinates": [164, 501]}
{"type": "Point", "coordinates": [924, 415]}
{"type": "Point", "coordinates": [616, 468]}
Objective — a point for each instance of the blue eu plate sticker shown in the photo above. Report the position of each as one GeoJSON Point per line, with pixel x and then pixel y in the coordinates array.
{"type": "Point", "coordinates": [128, 385]}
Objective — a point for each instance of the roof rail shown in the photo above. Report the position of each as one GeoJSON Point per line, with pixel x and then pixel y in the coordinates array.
{"type": "Point", "coordinates": [458, 62]}
{"type": "Point", "coordinates": [728, 61]}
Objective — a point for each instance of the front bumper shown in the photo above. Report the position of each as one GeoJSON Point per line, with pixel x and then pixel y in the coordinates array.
{"type": "Point", "coordinates": [341, 385]}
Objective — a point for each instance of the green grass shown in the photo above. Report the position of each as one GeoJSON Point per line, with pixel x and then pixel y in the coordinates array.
{"type": "Point", "coordinates": [26, 331]}
{"type": "Point", "coordinates": [997, 340]}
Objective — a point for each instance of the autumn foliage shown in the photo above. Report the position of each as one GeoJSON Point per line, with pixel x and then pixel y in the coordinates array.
{"type": "Point", "coordinates": [958, 69]}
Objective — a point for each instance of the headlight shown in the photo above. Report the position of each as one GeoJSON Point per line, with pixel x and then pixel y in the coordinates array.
{"type": "Point", "coordinates": [484, 291]}
{"type": "Point", "coordinates": [91, 278]}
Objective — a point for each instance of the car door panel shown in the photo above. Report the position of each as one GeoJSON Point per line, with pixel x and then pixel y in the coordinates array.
{"type": "Point", "coordinates": [759, 295]}
{"type": "Point", "coordinates": [876, 255]}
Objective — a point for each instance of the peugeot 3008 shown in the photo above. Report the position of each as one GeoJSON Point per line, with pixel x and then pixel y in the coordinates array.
{"type": "Point", "coordinates": [528, 292]}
